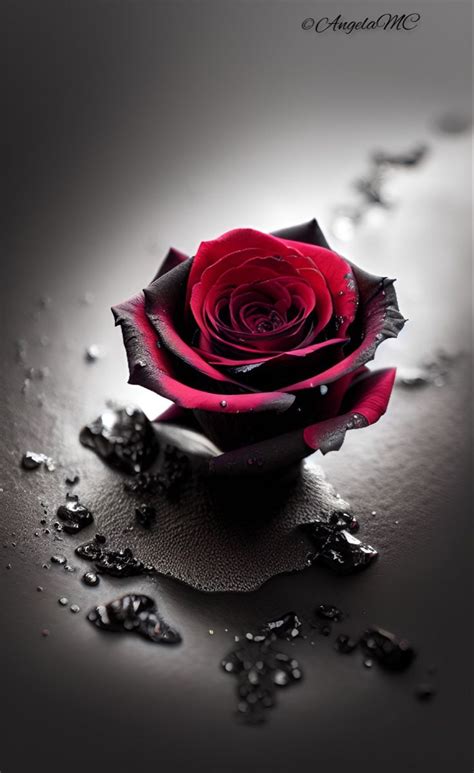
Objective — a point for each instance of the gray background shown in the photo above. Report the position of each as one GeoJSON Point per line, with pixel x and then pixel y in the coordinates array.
{"type": "Point", "coordinates": [130, 126]}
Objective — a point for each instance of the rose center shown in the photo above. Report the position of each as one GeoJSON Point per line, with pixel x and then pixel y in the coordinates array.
{"type": "Point", "coordinates": [266, 323]}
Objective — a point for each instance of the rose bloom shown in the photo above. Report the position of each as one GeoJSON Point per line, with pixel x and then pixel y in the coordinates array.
{"type": "Point", "coordinates": [261, 341]}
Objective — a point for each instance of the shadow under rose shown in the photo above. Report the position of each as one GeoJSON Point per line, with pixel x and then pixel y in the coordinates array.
{"type": "Point", "coordinates": [217, 534]}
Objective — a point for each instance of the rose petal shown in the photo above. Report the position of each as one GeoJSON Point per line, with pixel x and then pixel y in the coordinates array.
{"type": "Point", "coordinates": [380, 318]}
{"type": "Point", "coordinates": [151, 367]}
{"type": "Point", "coordinates": [172, 259]}
{"type": "Point", "coordinates": [163, 298]}
{"type": "Point", "coordinates": [308, 233]}
{"type": "Point", "coordinates": [366, 402]}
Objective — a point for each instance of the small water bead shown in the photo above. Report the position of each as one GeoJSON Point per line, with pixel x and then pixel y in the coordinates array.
{"type": "Point", "coordinates": [32, 460]}
{"type": "Point", "coordinates": [91, 579]}
{"type": "Point", "coordinates": [223, 403]}
{"type": "Point", "coordinates": [392, 653]}
{"type": "Point", "coordinates": [75, 609]}
{"type": "Point", "coordinates": [345, 644]}
{"type": "Point", "coordinates": [368, 663]}
{"type": "Point", "coordinates": [58, 560]}
{"type": "Point", "coordinates": [92, 353]}
{"type": "Point", "coordinates": [63, 601]}
{"type": "Point", "coordinates": [329, 612]}
{"type": "Point", "coordinates": [323, 389]}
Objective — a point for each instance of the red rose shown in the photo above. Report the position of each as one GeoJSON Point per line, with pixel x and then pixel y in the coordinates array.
{"type": "Point", "coordinates": [261, 341]}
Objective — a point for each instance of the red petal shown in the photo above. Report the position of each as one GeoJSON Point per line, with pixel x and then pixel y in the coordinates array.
{"type": "Point", "coordinates": [367, 400]}
{"type": "Point", "coordinates": [152, 367]}
{"type": "Point", "coordinates": [364, 404]}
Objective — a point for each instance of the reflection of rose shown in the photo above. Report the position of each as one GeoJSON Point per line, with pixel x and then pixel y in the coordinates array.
{"type": "Point", "coordinates": [261, 341]}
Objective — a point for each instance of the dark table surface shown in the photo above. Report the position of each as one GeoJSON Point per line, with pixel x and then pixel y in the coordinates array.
{"type": "Point", "coordinates": [138, 125]}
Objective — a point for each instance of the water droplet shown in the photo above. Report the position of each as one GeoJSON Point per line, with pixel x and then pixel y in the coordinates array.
{"type": "Point", "coordinates": [63, 601]}
{"type": "Point", "coordinates": [90, 578]}
{"type": "Point", "coordinates": [40, 588]}
{"type": "Point", "coordinates": [32, 460]}
{"type": "Point", "coordinates": [223, 403]}
{"type": "Point", "coordinates": [116, 563]}
{"type": "Point", "coordinates": [329, 612]}
{"type": "Point", "coordinates": [124, 438]}
{"type": "Point", "coordinates": [260, 670]}
{"type": "Point", "coordinates": [337, 548]}
{"type": "Point", "coordinates": [45, 632]}
{"type": "Point", "coordinates": [345, 644]}
{"type": "Point", "coordinates": [74, 515]}
{"type": "Point", "coordinates": [58, 560]}
{"type": "Point", "coordinates": [368, 663]}
{"type": "Point", "coordinates": [211, 632]}
{"type": "Point", "coordinates": [392, 653]}
{"type": "Point", "coordinates": [75, 609]}
{"type": "Point", "coordinates": [323, 389]}
{"type": "Point", "coordinates": [134, 613]}
{"type": "Point", "coordinates": [93, 353]}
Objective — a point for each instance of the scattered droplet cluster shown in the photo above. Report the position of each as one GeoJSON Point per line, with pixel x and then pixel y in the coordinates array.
{"type": "Point", "coordinates": [261, 669]}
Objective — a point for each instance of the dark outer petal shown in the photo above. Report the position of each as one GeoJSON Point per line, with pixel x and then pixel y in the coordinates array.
{"type": "Point", "coordinates": [172, 259]}
{"type": "Point", "coordinates": [308, 233]}
{"type": "Point", "coordinates": [380, 319]}
{"type": "Point", "coordinates": [364, 404]}
{"type": "Point", "coordinates": [164, 299]}
{"type": "Point", "coordinates": [367, 401]}
{"type": "Point", "coordinates": [150, 367]}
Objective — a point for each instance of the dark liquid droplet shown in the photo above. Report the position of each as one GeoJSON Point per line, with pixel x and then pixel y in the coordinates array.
{"type": "Point", "coordinates": [58, 560]}
{"type": "Point", "coordinates": [74, 515]}
{"type": "Point", "coordinates": [117, 563]}
{"type": "Point", "coordinates": [288, 627]}
{"type": "Point", "coordinates": [337, 548]}
{"type": "Point", "coordinates": [329, 612]}
{"type": "Point", "coordinates": [124, 438]}
{"type": "Point", "coordinates": [31, 461]}
{"type": "Point", "coordinates": [392, 653]}
{"type": "Point", "coordinates": [90, 578]}
{"type": "Point", "coordinates": [134, 613]}
{"type": "Point", "coordinates": [345, 644]}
